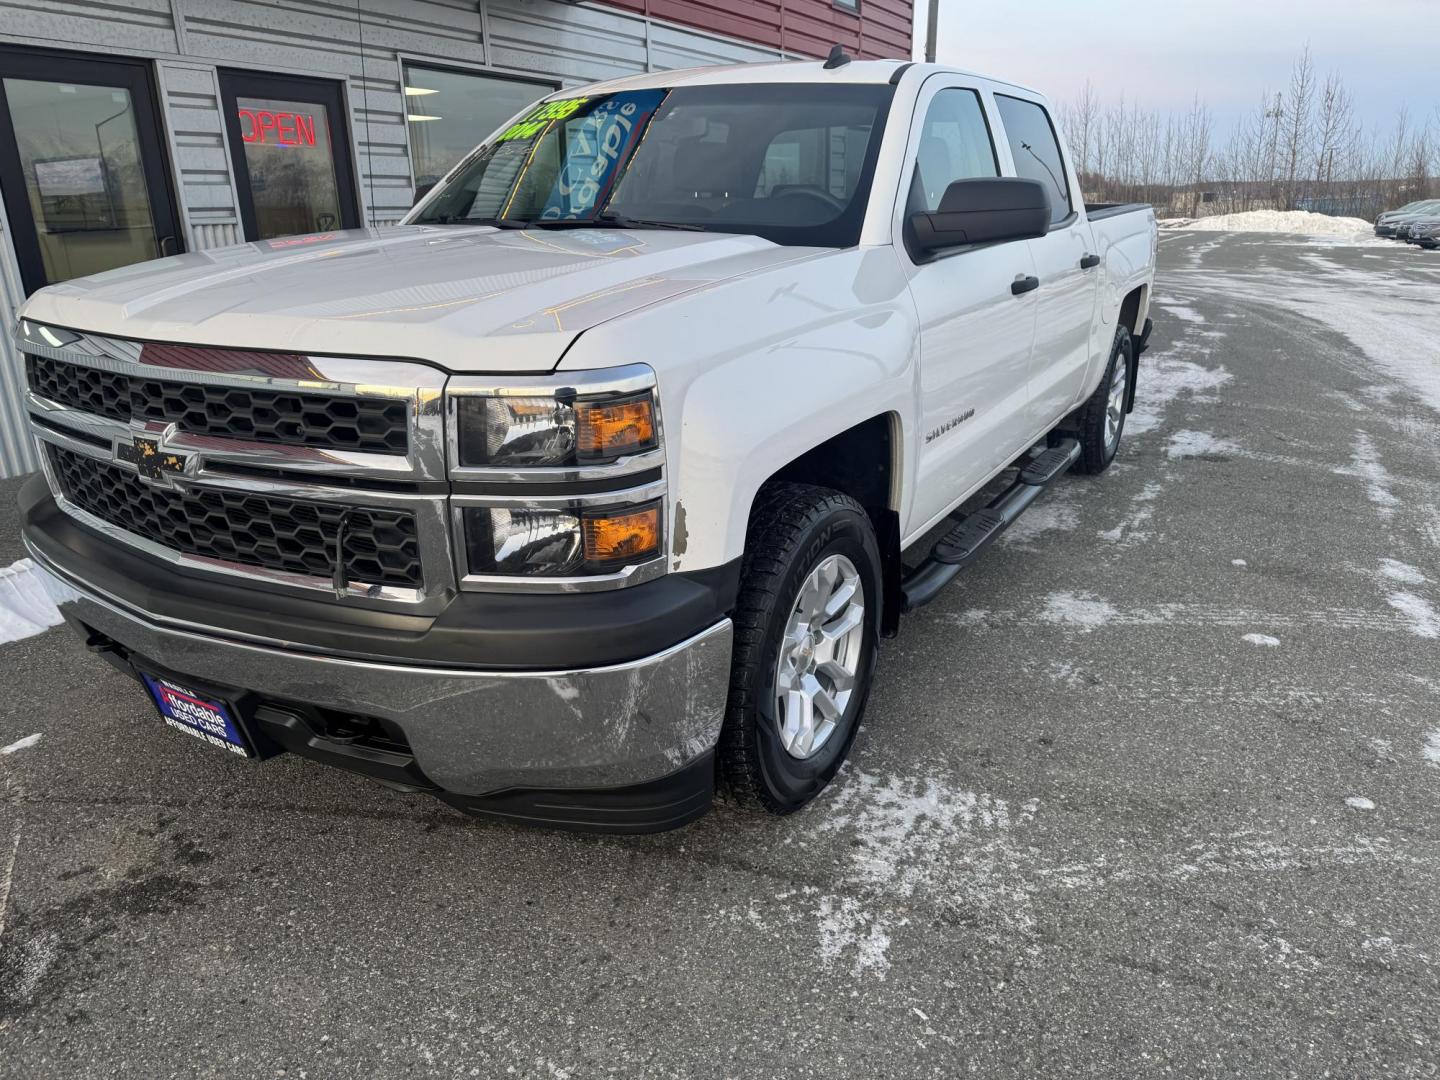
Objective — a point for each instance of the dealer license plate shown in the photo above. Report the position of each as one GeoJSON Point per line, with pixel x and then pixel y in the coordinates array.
{"type": "Point", "coordinates": [195, 713]}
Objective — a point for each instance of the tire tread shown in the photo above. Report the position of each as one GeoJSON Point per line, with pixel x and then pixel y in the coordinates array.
{"type": "Point", "coordinates": [782, 514]}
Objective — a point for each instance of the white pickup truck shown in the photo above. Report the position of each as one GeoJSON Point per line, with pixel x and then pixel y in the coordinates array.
{"type": "Point", "coordinates": [600, 478]}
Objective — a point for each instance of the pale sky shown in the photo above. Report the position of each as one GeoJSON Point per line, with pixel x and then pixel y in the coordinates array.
{"type": "Point", "coordinates": [1162, 52]}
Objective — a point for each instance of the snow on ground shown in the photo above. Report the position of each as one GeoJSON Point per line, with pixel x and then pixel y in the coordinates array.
{"type": "Point", "coordinates": [1181, 312]}
{"type": "Point", "coordinates": [1300, 222]}
{"type": "Point", "coordinates": [21, 744]}
{"type": "Point", "coordinates": [1198, 444]}
{"type": "Point", "coordinates": [28, 600]}
{"type": "Point", "coordinates": [1365, 463]}
{"type": "Point", "coordinates": [1401, 572]}
{"type": "Point", "coordinates": [1165, 377]}
{"type": "Point", "coordinates": [1083, 610]}
{"type": "Point", "coordinates": [1423, 619]}
{"type": "Point", "coordinates": [1389, 316]}
{"type": "Point", "coordinates": [1262, 639]}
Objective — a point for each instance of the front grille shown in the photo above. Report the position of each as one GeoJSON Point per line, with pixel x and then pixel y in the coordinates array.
{"type": "Point", "coordinates": [380, 547]}
{"type": "Point", "coordinates": [286, 417]}
{"type": "Point", "coordinates": [105, 393]}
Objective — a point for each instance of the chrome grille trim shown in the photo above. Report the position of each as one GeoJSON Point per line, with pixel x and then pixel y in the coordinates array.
{"type": "Point", "coordinates": [307, 468]}
{"type": "Point", "coordinates": [420, 385]}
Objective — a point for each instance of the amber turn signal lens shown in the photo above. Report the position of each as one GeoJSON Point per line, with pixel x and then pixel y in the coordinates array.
{"type": "Point", "coordinates": [622, 536]}
{"type": "Point", "coordinates": [610, 429]}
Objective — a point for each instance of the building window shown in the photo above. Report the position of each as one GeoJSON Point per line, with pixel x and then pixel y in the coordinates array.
{"type": "Point", "coordinates": [291, 152]}
{"type": "Point", "coordinates": [450, 112]}
{"type": "Point", "coordinates": [852, 6]}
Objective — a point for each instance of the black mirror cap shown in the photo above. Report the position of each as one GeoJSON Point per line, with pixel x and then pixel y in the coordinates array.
{"type": "Point", "coordinates": [988, 210]}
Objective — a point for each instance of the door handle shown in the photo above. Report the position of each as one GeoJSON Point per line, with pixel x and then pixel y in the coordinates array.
{"type": "Point", "coordinates": [1020, 286]}
{"type": "Point", "coordinates": [1087, 261]}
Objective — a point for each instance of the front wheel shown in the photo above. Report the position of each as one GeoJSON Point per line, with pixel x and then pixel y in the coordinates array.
{"type": "Point", "coordinates": [1102, 417]}
{"type": "Point", "coordinates": [806, 622]}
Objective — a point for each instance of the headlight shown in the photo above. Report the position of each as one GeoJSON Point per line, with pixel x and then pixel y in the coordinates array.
{"type": "Point", "coordinates": [545, 542]}
{"type": "Point", "coordinates": [558, 430]}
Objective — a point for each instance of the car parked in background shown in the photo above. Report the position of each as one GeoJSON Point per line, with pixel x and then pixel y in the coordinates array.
{"type": "Point", "coordinates": [1426, 233]}
{"type": "Point", "coordinates": [1390, 222]}
{"type": "Point", "coordinates": [1407, 228]}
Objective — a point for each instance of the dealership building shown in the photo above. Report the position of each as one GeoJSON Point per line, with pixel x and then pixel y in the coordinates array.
{"type": "Point", "coordinates": [134, 129]}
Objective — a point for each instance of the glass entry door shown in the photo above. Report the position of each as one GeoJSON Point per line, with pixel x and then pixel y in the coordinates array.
{"type": "Point", "coordinates": [291, 154]}
{"type": "Point", "coordinates": [82, 167]}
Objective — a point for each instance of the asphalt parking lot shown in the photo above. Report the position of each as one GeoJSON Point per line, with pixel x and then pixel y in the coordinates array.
{"type": "Point", "coordinates": [1151, 791]}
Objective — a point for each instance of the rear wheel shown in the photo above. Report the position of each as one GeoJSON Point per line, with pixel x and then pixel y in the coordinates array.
{"type": "Point", "coordinates": [1102, 417]}
{"type": "Point", "coordinates": [805, 643]}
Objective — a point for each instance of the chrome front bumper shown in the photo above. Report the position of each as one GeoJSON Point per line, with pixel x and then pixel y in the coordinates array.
{"type": "Point", "coordinates": [473, 732]}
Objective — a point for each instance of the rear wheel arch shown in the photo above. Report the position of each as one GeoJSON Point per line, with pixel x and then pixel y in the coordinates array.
{"type": "Point", "coordinates": [1132, 312]}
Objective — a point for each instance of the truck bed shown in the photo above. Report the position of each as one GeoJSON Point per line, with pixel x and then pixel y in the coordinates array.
{"type": "Point", "coordinates": [1098, 211]}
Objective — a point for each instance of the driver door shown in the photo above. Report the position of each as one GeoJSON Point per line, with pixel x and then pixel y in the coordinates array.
{"type": "Point", "coordinates": [975, 334]}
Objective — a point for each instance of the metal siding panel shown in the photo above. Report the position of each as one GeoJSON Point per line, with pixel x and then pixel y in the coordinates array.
{"type": "Point", "coordinates": [672, 47]}
{"type": "Point", "coordinates": [882, 29]}
{"type": "Point", "coordinates": [290, 35]}
{"type": "Point", "coordinates": [144, 25]}
{"type": "Point", "coordinates": [17, 448]}
{"type": "Point", "coordinates": [568, 43]}
{"type": "Point", "coordinates": [209, 236]}
{"type": "Point", "coordinates": [752, 20]}
{"type": "Point", "coordinates": [190, 99]}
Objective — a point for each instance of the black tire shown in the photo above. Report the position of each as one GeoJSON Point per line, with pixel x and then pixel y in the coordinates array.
{"type": "Point", "coordinates": [793, 527]}
{"type": "Point", "coordinates": [1096, 450]}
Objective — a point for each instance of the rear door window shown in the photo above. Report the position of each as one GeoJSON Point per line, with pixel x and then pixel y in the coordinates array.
{"type": "Point", "coordinates": [1036, 150]}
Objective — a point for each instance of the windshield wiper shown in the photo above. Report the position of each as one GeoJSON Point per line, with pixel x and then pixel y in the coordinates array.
{"type": "Point", "coordinates": [496, 222]}
{"type": "Point", "coordinates": [611, 220]}
{"type": "Point", "coordinates": [620, 221]}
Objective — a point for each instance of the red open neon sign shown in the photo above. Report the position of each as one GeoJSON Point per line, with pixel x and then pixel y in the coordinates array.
{"type": "Point", "coordinates": [285, 128]}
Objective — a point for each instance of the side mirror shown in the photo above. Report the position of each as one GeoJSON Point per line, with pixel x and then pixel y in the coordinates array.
{"type": "Point", "coordinates": [982, 211]}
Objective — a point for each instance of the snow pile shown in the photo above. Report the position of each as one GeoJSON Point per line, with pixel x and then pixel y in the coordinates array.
{"type": "Point", "coordinates": [1282, 221]}
{"type": "Point", "coordinates": [28, 599]}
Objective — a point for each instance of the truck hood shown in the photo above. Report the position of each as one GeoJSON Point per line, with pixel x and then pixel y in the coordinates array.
{"type": "Point", "coordinates": [469, 298]}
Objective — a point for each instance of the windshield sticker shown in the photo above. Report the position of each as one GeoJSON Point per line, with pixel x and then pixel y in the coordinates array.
{"type": "Point", "coordinates": [537, 121]}
{"type": "Point", "coordinates": [595, 147]}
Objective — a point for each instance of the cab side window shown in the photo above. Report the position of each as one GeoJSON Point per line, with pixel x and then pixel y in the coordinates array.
{"type": "Point", "coordinates": [1036, 150]}
{"type": "Point", "coordinates": [954, 145]}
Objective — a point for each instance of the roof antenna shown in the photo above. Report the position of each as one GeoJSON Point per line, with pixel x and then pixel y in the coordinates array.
{"type": "Point", "coordinates": [837, 58]}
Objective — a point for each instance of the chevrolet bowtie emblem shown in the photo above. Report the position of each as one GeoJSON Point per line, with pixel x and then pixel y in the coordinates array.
{"type": "Point", "coordinates": [149, 459]}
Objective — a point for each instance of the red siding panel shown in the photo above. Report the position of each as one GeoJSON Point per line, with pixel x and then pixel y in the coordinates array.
{"type": "Point", "coordinates": [806, 27]}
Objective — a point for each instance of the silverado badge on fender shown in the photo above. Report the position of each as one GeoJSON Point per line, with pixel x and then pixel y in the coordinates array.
{"type": "Point", "coordinates": [149, 459]}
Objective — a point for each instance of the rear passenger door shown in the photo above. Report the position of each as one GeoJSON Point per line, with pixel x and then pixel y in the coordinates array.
{"type": "Point", "coordinates": [1068, 292]}
{"type": "Point", "coordinates": [975, 335]}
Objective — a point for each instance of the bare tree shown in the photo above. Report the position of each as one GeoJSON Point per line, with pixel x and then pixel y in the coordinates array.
{"type": "Point", "coordinates": [1301, 141]}
{"type": "Point", "coordinates": [1299, 104]}
{"type": "Point", "coordinates": [1195, 150]}
{"type": "Point", "coordinates": [1080, 127]}
{"type": "Point", "coordinates": [1334, 129]}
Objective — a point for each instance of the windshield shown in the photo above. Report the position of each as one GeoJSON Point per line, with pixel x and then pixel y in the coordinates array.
{"type": "Point", "coordinates": [789, 162]}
